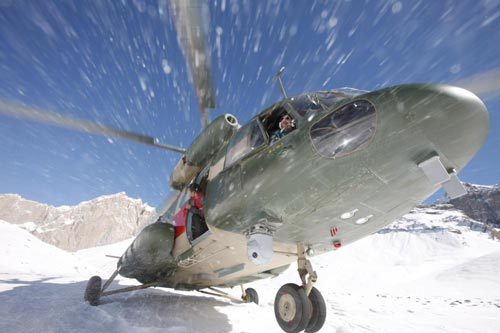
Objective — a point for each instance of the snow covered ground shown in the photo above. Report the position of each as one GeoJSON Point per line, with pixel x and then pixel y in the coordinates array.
{"type": "Point", "coordinates": [428, 272]}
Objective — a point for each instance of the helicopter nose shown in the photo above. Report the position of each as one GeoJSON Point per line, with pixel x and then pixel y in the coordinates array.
{"type": "Point", "coordinates": [453, 119]}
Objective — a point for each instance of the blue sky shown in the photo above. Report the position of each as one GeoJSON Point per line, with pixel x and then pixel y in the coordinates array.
{"type": "Point", "coordinates": [119, 63]}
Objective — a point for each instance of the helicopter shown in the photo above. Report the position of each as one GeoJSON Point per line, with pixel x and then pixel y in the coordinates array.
{"type": "Point", "coordinates": [348, 163]}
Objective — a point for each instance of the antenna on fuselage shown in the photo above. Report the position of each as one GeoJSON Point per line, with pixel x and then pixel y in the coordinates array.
{"type": "Point", "coordinates": [280, 83]}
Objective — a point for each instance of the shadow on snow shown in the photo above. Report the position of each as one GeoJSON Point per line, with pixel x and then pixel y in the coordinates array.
{"type": "Point", "coordinates": [59, 307]}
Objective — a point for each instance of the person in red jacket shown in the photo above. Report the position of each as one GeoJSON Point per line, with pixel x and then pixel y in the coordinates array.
{"type": "Point", "coordinates": [195, 206]}
{"type": "Point", "coordinates": [196, 200]}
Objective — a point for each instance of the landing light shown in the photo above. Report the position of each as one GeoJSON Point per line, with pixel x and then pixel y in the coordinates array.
{"type": "Point", "coordinates": [363, 220]}
{"type": "Point", "coordinates": [348, 215]}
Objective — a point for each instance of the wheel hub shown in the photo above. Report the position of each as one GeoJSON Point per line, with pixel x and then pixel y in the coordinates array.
{"type": "Point", "coordinates": [287, 307]}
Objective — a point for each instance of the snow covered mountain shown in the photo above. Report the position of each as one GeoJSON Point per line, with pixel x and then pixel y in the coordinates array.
{"type": "Point", "coordinates": [104, 220]}
{"type": "Point", "coordinates": [429, 271]}
{"type": "Point", "coordinates": [481, 203]}
{"type": "Point", "coordinates": [112, 218]}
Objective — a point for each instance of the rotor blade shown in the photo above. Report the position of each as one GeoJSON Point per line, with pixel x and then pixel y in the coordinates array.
{"type": "Point", "coordinates": [486, 83]}
{"type": "Point", "coordinates": [26, 112]}
{"type": "Point", "coordinates": [191, 21]}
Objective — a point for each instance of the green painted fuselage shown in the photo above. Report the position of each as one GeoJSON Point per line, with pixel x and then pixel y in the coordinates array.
{"type": "Point", "coordinates": [302, 195]}
{"type": "Point", "coordinates": [290, 185]}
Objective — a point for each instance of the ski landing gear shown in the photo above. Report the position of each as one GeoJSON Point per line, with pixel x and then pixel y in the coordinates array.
{"type": "Point", "coordinates": [299, 308]}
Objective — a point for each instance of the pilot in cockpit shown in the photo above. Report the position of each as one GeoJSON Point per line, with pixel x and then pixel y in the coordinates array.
{"type": "Point", "coordinates": [286, 125]}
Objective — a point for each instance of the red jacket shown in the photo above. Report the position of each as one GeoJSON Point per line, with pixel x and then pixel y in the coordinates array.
{"type": "Point", "coordinates": [181, 217]}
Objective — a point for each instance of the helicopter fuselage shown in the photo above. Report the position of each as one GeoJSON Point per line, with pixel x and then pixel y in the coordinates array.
{"type": "Point", "coordinates": [302, 194]}
{"type": "Point", "coordinates": [310, 188]}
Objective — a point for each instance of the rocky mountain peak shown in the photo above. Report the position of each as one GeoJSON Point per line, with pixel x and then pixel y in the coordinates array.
{"type": "Point", "coordinates": [100, 221]}
{"type": "Point", "coordinates": [482, 203]}
{"type": "Point", "coordinates": [113, 218]}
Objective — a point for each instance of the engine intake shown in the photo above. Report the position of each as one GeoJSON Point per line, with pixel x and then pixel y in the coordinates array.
{"type": "Point", "coordinates": [215, 137]}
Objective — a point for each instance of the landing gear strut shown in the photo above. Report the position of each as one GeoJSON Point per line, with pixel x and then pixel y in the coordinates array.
{"type": "Point", "coordinates": [248, 295]}
{"type": "Point", "coordinates": [304, 267]}
{"type": "Point", "coordinates": [93, 291]}
{"type": "Point", "coordinates": [299, 308]}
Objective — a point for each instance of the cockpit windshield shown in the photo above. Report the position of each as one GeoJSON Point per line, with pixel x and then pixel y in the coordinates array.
{"type": "Point", "coordinates": [308, 104]}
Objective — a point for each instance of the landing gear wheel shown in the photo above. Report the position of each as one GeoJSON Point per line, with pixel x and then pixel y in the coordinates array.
{"type": "Point", "coordinates": [93, 290]}
{"type": "Point", "coordinates": [251, 296]}
{"type": "Point", "coordinates": [292, 308]}
{"type": "Point", "coordinates": [318, 313]}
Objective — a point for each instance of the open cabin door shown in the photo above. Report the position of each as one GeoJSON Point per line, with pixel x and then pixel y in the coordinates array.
{"type": "Point", "coordinates": [190, 227]}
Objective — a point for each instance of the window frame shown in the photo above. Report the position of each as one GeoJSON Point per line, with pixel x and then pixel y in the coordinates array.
{"type": "Point", "coordinates": [285, 104]}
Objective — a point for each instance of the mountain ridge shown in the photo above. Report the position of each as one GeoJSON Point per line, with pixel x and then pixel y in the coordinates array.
{"type": "Point", "coordinates": [482, 203]}
{"type": "Point", "coordinates": [112, 218]}
{"type": "Point", "coordinates": [104, 220]}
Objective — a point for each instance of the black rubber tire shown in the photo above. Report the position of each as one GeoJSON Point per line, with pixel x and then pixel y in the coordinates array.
{"type": "Point", "coordinates": [251, 296]}
{"type": "Point", "coordinates": [93, 290]}
{"type": "Point", "coordinates": [318, 313]}
{"type": "Point", "coordinates": [295, 305]}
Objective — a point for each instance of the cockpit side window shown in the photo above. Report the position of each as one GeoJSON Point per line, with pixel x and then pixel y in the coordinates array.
{"type": "Point", "coordinates": [345, 130]}
{"type": "Point", "coordinates": [277, 123]}
{"type": "Point", "coordinates": [244, 141]}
